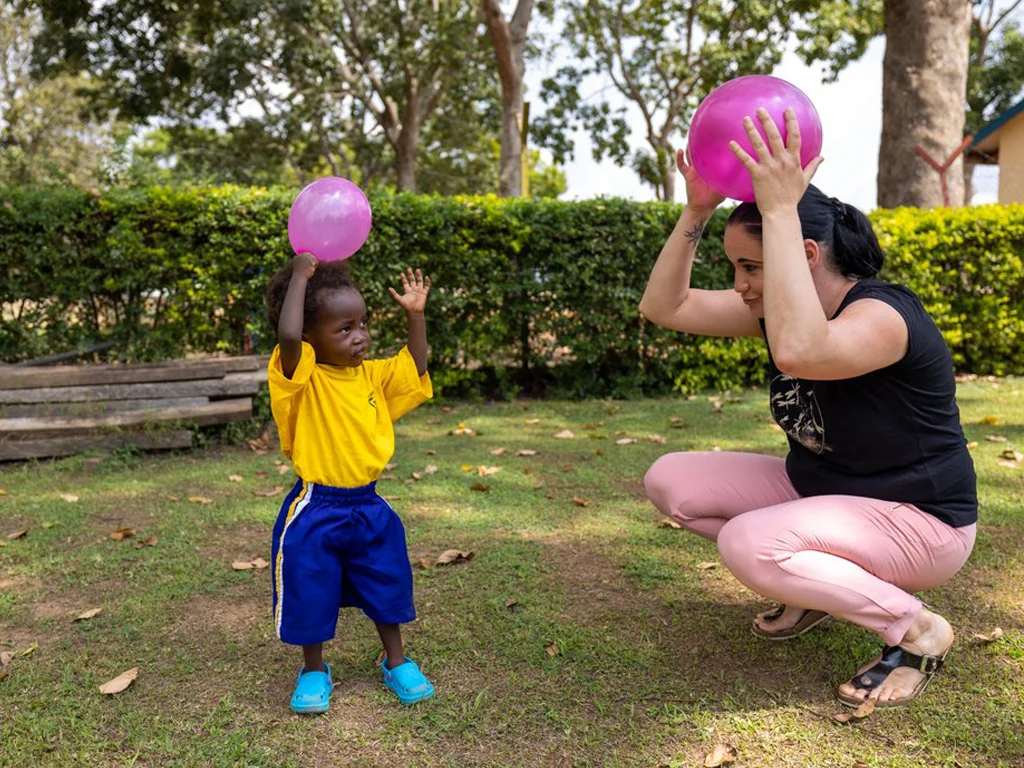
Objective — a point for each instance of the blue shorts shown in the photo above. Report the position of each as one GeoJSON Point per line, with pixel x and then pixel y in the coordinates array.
{"type": "Point", "coordinates": [337, 547]}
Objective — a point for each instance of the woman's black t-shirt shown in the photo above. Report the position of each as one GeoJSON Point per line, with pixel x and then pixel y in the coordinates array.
{"type": "Point", "coordinates": [892, 434]}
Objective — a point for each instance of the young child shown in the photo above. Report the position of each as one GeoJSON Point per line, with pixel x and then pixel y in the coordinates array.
{"type": "Point", "coordinates": [336, 542]}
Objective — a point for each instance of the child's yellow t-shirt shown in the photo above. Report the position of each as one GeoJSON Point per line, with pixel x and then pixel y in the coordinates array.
{"type": "Point", "coordinates": [336, 423]}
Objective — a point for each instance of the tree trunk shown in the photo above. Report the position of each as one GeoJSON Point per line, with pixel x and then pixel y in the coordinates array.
{"type": "Point", "coordinates": [408, 141]}
{"type": "Point", "coordinates": [969, 181]}
{"type": "Point", "coordinates": [924, 86]}
{"type": "Point", "coordinates": [668, 174]}
{"type": "Point", "coordinates": [509, 44]}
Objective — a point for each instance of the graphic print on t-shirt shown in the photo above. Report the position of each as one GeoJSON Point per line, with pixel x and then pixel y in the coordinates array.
{"type": "Point", "coordinates": [796, 410]}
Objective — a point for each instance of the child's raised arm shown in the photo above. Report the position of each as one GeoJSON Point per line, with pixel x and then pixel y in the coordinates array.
{"type": "Point", "coordinates": [289, 326]}
{"type": "Point", "coordinates": [414, 302]}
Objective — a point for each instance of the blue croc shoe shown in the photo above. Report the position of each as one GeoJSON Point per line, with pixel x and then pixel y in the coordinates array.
{"type": "Point", "coordinates": [312, 692]}
{"type": "Point", "coordinates": [408, 683]}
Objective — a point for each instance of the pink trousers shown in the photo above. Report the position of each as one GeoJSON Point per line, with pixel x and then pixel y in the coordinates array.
{"type": "Point", "coordinates": [856, 558]}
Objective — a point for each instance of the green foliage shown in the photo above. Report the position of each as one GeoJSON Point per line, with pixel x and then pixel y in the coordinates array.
{"type": "Point", "coordinates": [967, 265]}
{"type": "Point", "coordinates": [533, 296]}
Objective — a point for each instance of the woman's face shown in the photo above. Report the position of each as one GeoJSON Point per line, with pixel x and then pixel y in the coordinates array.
{"type": "Point", "coordinates": [745, 254]}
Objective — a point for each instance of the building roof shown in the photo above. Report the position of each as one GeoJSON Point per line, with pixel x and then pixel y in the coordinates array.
{"type": "Point", "coordinates": [987, 139]}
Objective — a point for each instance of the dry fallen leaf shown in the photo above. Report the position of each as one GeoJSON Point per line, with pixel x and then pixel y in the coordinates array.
{"type": "Point", "coordinates": [580, 502]}
{"type": "Point", "coordinates": [261, 443]}
{"type": "Point", "coordinates": [1007, 464]}
{"type": "Point", "coordinates": [416, 476]}
{"type": "Point", "coordinates": [972, 445]}
{"type": "Point", "coordinates": [706, 566]}
{"type": "Point", "coordinates": [200, 500]}
{"type": "Point", "coordinates": [272, 492]}
{"type": "Point", "coordinates": [498, 452]}
{"type": "Point", "coordinates": [430, 452]}
{"type": "Point", "coordinates": [447, 409]}
{"type": "Point", "coordinates": [991, 637]}
{"type": "Point", "coordinates": [511, 603]}
{"type": "Point", "coordinates": [675, 420]}
{"type": "Point", "coordinates": [668, 522]}
{"type": "Point", "coordinates": [430, 469]}
{"type": "Point", "coordinates": [864, 710]}
{"type": "Point", "coordinates": [235, 478]}
{"type": "Point", "coordinates": [70, 498]}
{"type": "Point", "coordinates": [120, 682]}
{"type": "Point", "coordinates": [90, 614]}
{"type": "Point", "coordinates": [538, 485]}
{"type": "Point", "coordinates": [5, 662]}
{"type": "Point", "coordinates": [389, 466]}
{"type": "Point", "coordinates": [526, 452]}
{"type": "Point", "coordinates": [486, 471]}
{"type": "Point", "coordinates": [659, 439]}
{"type": "Point", "coordinates": [17, 535]}
{"type": "Point", "coordinates": [30, 650]}
{"type": "Point", "coordinates": [553, 649]}
{"type": "Point", "coordinates": [3, 492]}
{"type": "Point", "coordinates": [425, 563]}
{"type": "Point", "coordinates": [625, 441]}
{"type": "Point", "coordinates": [452, 556]}
{"type": "Point", "coordinates": [533, 421]}
{"type": "Point", "coordinates": [722, 754]}
{"type": "Point", "coordinates": [1012, 455]}
{"type": "Point", "coordinates": [716, 406]}
{"type": "Point", "coordinates": [482, 487]}
{"type": "Point", "coordinates": [284, 469]}
{"type": "Point", "coordinates": [242, 565]}
{"type": "Point", "coordinates": [716, 449]}
{"type": "Point", "coordinates": [150, 542]}
{"type": "Point", "coordinates": [990, 420]}
{"type": "Point", "coordinates": [568, 468]}
{"type": "Point", "coordinates": [122, 533]}
{"type": "Point", "coordinates": [995, 438]}
{"type": "Point", "coordinates": [3, 543]}
{"type": "Point", "coordinates": [259, 564]}
{"type": "Point", "coordinates": [565, 434]}
{"type": "Point", "coordinates": [462, 430]}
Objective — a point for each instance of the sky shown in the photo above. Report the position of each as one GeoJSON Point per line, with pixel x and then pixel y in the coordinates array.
{"type": "Point", "coordinates": [851, 116]}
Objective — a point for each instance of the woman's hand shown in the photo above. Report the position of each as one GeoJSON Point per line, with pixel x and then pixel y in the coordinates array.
{"type": "Point", "coordinates": [779, 179]}
{"type": "Point", "coordinates": [699, 196]}
{"type": "Point", "coordinates": [416, 287]}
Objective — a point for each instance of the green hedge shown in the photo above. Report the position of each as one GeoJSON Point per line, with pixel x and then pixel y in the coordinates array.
{"type": "Point", "coordinates": [518, 284]}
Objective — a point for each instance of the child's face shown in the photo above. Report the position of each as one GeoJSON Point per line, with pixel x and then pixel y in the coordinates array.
{"type": "Point", "coordinates": [341, 336]}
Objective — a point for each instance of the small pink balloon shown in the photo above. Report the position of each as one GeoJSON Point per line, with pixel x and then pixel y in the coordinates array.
{"type": "Point", "coordinates": [330, 219]}
{"type": "Point", "coordinates": [719, 120]}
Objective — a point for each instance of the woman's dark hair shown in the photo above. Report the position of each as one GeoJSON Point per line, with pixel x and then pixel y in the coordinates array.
{"type": "Point", "coordinates": [844, 230]}
{"type": "Point", "coordinates": [329, 276]}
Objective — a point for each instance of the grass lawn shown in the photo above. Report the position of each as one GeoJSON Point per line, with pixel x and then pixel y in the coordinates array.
{"type": "Point", "coordinates": [621, 649]}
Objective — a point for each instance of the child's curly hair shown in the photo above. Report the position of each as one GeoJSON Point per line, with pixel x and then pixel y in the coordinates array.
{"type": "Point", "coordinates": [329, 276]}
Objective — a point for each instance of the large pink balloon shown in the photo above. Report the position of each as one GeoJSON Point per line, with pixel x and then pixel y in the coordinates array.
{"type": "Point", "coordinates": [719, 120]}
{"type": "Point", "coordinates": [330, 219]}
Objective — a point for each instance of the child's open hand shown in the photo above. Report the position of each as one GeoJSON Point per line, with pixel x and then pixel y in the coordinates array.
{"type": "Point", "coordinates": [416, 287]}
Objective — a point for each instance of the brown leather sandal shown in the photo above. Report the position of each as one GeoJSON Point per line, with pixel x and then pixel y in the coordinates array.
{"type": "Point", "coordinates": [807, 622]}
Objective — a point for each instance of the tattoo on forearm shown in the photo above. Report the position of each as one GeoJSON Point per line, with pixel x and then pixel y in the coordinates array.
{"type": "Point", "coordinates": [693, 235]}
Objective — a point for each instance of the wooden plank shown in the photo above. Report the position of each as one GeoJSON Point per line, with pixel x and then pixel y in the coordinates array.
{"type": "Point", "coordinates": [15, 377]}
{"type": "Point", "coordinates": [80, 375]}
{"type": "Point", "coordinates": [93, 409]}
{"type": "Point", "coordinates": [233, 384]}
{"type": "Point", "coordinates": [201, 415]}
{"type": "Point", "coordinates": [73, 355]}
{"type": "Point", "coordinates": [13, 450]}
